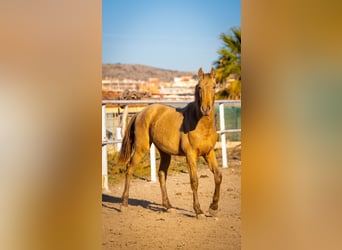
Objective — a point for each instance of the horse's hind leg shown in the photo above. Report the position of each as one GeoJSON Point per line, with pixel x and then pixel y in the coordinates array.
{"type": "Point", "coordinates": [138, 154]}
{"type": "Point", "coordinates": [212, 163]}
{"type": "Point", "coordinates": [164, 165]}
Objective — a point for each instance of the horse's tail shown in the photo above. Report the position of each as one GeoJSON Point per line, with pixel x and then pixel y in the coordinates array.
{"type": "Point", "coordinates": [128, 141]}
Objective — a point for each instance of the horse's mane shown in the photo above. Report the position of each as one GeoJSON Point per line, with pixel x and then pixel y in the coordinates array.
{"type": "Point", "coordinates": [191, 113]}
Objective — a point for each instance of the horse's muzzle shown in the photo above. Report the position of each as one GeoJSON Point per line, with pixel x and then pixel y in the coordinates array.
{"type": "Point", "coordinates": [205, 110]}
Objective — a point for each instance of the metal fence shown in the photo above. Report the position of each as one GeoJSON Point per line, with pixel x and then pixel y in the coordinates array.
{"type": "Point", "coordinates": [115, 137]}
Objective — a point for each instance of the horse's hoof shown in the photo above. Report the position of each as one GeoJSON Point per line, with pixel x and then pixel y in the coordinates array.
{"type": "Point", "coordinates": [200, 216]}
{"type": "Point", "coordinates": [171, 210]}
{"type": "Point", "coordinates": [213, 212]}
{"type": "Point", "coordinates": [123, 208]}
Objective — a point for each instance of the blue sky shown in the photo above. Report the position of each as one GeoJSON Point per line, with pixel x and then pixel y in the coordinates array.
{"type": "Point", "coordinates": [169, 34]}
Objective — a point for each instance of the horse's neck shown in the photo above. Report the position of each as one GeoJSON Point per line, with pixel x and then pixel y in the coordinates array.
{"type": "Point", "coordinates": [207, 121]}
{"type": "Point", "coordinates": [193, 117]}
{"type": "Point", "coordinates": [195, 112]}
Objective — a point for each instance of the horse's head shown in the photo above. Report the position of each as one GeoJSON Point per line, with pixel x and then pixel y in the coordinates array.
{"type": "Point", "coordinates": [205, 91]}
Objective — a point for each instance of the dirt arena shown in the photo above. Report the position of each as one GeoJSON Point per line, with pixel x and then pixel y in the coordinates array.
{"type": "Point", "coordinates": [146, 224]}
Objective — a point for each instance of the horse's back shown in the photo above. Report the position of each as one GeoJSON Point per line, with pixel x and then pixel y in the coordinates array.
{"type": "Point", "coordinates": [158, 113]}
{"type": "Point", "coordinates": [162, 123]}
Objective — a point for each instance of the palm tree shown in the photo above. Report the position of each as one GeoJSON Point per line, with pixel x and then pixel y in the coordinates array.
{"type": "Point", "coordinates": [229, 62]}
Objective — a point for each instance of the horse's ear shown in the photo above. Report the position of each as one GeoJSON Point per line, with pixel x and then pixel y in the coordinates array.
{"type": "Point", "coordinates": [200, 74]}
{"type": "Point", "coordinates": [212, 73]}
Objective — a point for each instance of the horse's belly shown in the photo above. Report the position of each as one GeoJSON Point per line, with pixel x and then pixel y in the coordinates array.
{"type": "Point", "coordinates": [169, 149]}
{"type": "Point", "coordinates": [167, 141]}
{"type": "Point", "coordinates": [165, 132]}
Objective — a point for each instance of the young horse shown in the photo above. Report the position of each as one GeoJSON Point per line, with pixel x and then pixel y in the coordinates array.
{"type": "Point", "coordinates": [189, 131]}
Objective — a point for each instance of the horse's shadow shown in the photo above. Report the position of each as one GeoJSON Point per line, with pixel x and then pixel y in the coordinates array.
{"type": "Point", "coordinates": [132, 202]}
{"type": "Point", "coordinates": [139, 203]}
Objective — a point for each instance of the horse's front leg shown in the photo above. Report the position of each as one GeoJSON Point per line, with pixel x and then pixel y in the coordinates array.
{"type": "Point", "coordinates": [194, 184]}
{"type": "Point", "coordinates": [212, 163]}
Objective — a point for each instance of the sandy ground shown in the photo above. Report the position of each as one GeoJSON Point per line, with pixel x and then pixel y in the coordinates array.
{"type": "Point", "coordinates": [146, 225]}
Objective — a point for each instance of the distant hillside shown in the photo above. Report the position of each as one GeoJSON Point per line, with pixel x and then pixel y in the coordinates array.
{"type": "Point", "coordinates": [140, 72]}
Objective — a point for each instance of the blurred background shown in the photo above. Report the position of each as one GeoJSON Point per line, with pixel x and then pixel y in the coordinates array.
{"type": "Point", "coordinates": [50, 93]}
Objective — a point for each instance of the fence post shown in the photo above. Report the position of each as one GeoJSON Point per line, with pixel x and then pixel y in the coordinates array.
{"type": "Point", "coordinates": [153, 163]}
{"type": "Point", "coordinates": [223, 137]}
{"type": "Point", "coordinates": [123, 121]}
{"type": "Point", "coordinates": [104, 150]}
{"type": "Point", "coordinates": [118, 138]}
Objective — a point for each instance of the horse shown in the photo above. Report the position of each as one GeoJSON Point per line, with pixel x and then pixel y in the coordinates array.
{"type": "Point", "coordinates": [189, 131]}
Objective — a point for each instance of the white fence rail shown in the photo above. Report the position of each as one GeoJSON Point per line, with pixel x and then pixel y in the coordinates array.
{"type": "Point", "coordinates": [222, 132]}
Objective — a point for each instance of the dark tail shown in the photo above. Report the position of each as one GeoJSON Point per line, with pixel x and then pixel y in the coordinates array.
{"type": "Point", "coordinates": [128, 141]}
